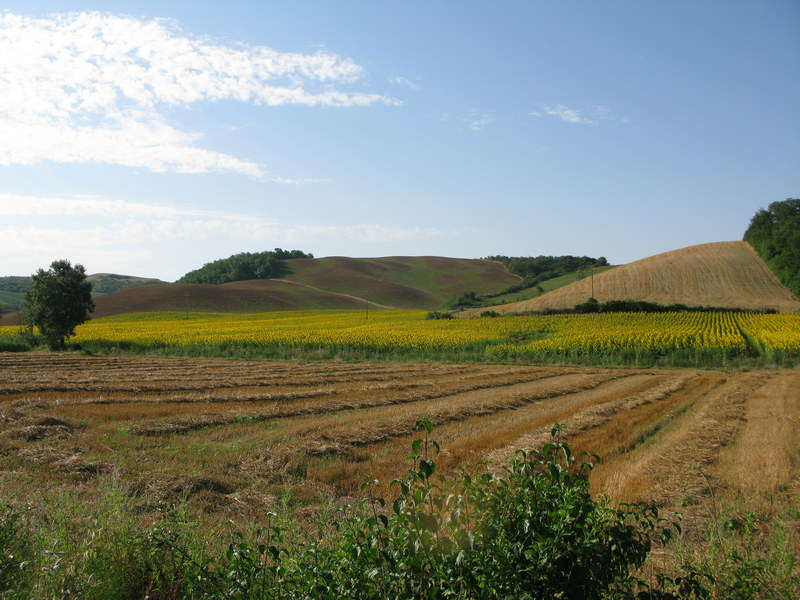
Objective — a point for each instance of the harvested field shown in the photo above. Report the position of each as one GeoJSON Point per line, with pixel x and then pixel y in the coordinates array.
{"type": "Point", "coordinates": [721, 274]}
{"type": "Point", "coordinates": [236, 436]}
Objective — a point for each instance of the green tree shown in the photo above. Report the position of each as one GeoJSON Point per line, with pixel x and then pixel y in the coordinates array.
{"type": "Point", "coordinates": [775, 235]}
{"type": "Point", "coordinates": [59, 300]}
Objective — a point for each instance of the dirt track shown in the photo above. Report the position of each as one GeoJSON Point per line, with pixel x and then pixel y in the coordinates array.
{"type": "Point", "coordinates": [252, 431]}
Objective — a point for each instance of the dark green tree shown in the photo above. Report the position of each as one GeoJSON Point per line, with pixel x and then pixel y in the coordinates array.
{"type": "Point", "coordinates": [775, 235]}
{"type": "Point", "coordinates": [245, 266]}
{"type": "Point", "coordinates": [59, 300]}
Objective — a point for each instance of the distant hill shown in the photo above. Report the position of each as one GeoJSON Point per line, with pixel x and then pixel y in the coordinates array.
{"type": "Point", "coordinates": [425, 283]}
{"type": "Point", "coordinates": [402, 281]}
{"type": "Point", "coordinates": [105, 283]}
{"type": "Point", "coordinates": [722, 274]}
{"type": "Point", "coordinates": [259, 295]}
{"type": "Point", "coordinates": [13, 288]}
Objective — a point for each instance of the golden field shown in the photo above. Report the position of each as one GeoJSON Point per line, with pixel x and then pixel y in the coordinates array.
{"type": "Point", "coordinates": [721, 274]}
{"type": "Point", "coordinates": [508, 337]}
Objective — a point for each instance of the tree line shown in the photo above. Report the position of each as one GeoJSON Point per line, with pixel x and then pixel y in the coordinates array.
{"type": "Point", "coordinates": [245, 266]}
{"type": "Point", "coordinates": [536, 269]}
{"type": "Point", "coordinates": [775, 234]}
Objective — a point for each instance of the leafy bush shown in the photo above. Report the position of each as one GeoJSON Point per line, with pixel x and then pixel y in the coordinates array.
{"type": "Point", "coordinates": [15, 343]}
{"type": "Point", "coordinates": [532, 532]}
{"type": "Point", "coordinates": [438, 315]}
{"type": "Point", "coordinates": [465, 300]}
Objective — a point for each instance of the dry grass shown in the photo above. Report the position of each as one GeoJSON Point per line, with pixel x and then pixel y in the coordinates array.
{"type": "Point", "coordinates": [764, 459]}
{"type": "Point", "coordinates": [722, 274]}
{"type": "Point", "coordinates": [236, 436]}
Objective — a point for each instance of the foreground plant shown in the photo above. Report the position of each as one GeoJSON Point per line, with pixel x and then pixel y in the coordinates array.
{"type": "Point", "coordinates": [532, 532]}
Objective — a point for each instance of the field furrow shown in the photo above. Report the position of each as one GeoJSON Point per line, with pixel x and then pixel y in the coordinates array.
{"type": "Point", "coordinates": [234, 436]}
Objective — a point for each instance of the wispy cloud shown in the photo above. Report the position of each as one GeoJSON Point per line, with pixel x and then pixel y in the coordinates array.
{"type": "Point", "coordinates": [91, 87]}
{"type": "Point", "coordinates": [107, 231]}
{"type": "Point", "coordinates": [591, 116]}
{"type": "Point", "coordinates": [298, 180]}
{"type": "Point", "coordinates": [474, 120]}
{"type": "Point", "coordinates": [405, 81]}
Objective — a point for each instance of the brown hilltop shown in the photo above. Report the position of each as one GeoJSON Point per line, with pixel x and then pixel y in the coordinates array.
{"type": "Point", "coordinates": [420, 282]}
{"type": "Point", "coordinates": [239, 297]}
{"type": "Point", "coordinates": [720, 274]}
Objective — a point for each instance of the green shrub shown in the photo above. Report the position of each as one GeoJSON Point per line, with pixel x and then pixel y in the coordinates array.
{"type": "Point", "coordinates": [533, 532]}
{"type": "Point", "coordinates": [438, 315]}
{"type": "Point", "coordinates": [10, 343]}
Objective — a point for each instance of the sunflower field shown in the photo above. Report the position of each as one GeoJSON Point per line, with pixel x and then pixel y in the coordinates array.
{"type": "Point", "coordinates": [637, 337]}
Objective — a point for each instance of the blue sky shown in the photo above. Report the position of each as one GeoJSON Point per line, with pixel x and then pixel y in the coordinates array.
{"type": "Point", "coordinates": [148, 138]}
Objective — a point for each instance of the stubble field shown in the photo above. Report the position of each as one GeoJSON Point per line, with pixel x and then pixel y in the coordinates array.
{"type": "Point", "coordinates": [97, 452]}
{"type": "Point", "coordinates": [238, 437]}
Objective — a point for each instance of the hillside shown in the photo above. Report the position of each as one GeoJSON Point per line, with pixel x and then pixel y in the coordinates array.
{"type": "Point", "coordinates": [105, 283]}
{"type": "Point", "coordinates": [402, 281]}
{"type": "Point", "coordinates": [238, 296]}
{"type": "Point", "coordinates": [332, 283]}
{"type": "Point", "coordinates": [13, 288]}
{"type": "Point", "coordinates": [721, 274]}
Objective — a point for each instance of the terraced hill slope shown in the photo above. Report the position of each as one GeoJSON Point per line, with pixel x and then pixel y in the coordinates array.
{"type": "Point", "coordinates": [720, 274]}
{"type": "Point", "coordinates": [337, 282]}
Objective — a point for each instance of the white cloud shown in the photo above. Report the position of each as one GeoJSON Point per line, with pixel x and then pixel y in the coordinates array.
{"type": "Point", "coordinates": [568, 115]}
{"type": "Point", "coordinates": [19, 205]}
{"type": "Point", "coordinates": [592, 116]}
{"type": "Point", "coordinates": [120, 234]}
{"type": "Point", "coordinates": [92, 87]}
{"type": "Point", "coordinates": [298, 181]}
{"type": "Point", "coordinates": [474, 120]}
{"type": "Point", "coordinates": [399, 80]}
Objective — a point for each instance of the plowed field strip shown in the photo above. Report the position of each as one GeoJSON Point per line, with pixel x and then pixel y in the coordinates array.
{"type": "Point", "coordinates": [186, 381]}
{"type": "Point", "coordinates": [629, 428]}
{"type": "Point", "coordinates": [380, 424]}
{"type": "Point", "coordinates": [766, 454]}
{"type": "Point", "coordinates": [336, 404]}
{"type": "Point", "coordinates": [351, 394]}
{"type": "Point", "coordinates": [114, 368]}
{"type": "Point", "coordinates": [593, 412]}
{"type": "Point", "coordinates": [672, 466]}
{"type": "Point", "coordinates": [469, 439]}
{"type": "Point", "coordinates": [123, 377]}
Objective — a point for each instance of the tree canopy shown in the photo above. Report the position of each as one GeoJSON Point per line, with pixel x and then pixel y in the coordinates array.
{"type": "Point", "coordinates": [59, 300]}
{"type": "Point", "coordinates": [244, 266]}
{"type": "Point", "coordinates": [536, 269]}
{"type": "Point", "coordinates": [775, 234]}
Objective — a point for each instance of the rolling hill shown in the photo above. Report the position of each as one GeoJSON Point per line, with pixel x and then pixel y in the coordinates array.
{"type": "Point", "coordinates": [13, 288]}
{"type": "Point", "coordinates": [335, 282]}
{"type": "Point", "coordinates": [720, 274]}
